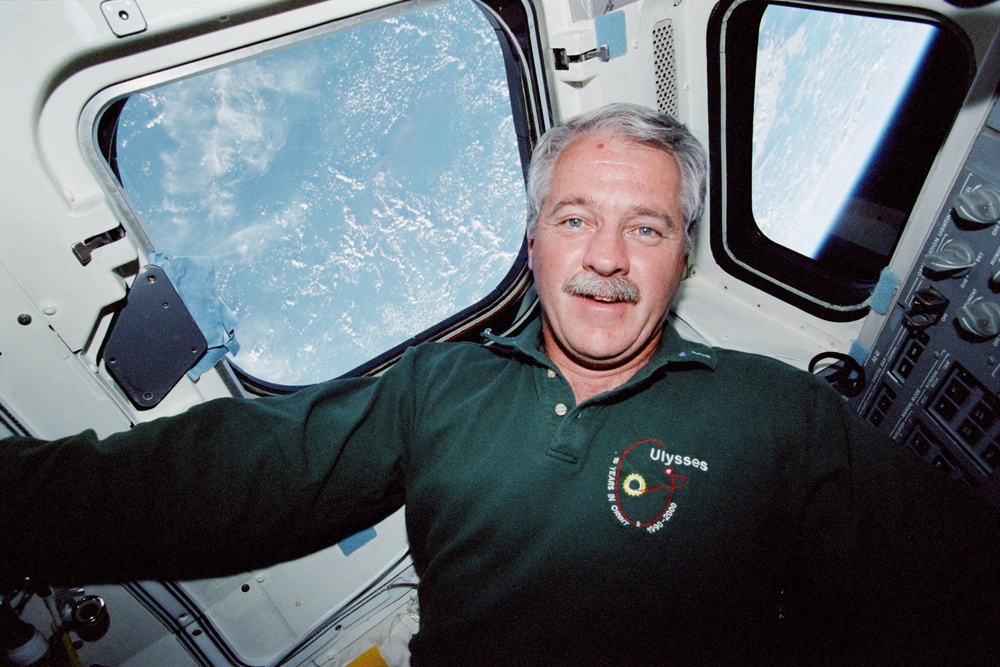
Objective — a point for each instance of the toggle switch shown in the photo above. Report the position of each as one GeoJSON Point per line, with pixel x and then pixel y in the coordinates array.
{"type": "Point", "coordinates": [926, 308]}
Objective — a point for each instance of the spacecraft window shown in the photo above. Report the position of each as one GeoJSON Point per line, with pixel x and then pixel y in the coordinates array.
{"type": "Point", "coordinates": [833, 119]}
{"type": "Point", "coordinates": [355, 189]}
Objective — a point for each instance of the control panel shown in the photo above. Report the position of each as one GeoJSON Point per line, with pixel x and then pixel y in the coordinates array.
{"type": "Point", "coordinates": [934, 371]}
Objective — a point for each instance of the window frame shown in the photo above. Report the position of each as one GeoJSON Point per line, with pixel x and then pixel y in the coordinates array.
{"type": "Point", "coordinates": [738, 246]}
{"type": "Point", "coordinates": [517, 32]}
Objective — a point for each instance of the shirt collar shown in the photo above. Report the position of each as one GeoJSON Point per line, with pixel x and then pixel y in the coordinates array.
{"type": "Point", "coordinates": [672, 349]}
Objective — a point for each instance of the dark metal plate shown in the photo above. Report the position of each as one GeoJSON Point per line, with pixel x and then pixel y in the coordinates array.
{"type": "Point", "coordinates": [153, 341]}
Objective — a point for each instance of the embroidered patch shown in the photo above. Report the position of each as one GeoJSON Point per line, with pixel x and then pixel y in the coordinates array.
{"type": "Point", "coordinates": [642, 482]}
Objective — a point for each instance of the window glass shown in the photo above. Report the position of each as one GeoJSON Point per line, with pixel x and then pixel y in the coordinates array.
{"type": "Point", "coordinates": [354, 190]}
{"type": "Point", "coordinates": [828, 86]}
{"type": "Point", "coordinates": [824, 124]}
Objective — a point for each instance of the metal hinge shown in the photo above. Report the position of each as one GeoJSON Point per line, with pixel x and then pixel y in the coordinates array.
{"type": "Point", "coordinates": [564, 60]}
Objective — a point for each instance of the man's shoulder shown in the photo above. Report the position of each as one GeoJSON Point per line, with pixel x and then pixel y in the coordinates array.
{"type": "Point", "coordinates": [764, 373]}
{"type": "Point", "coordinates": [754, 360]}
{"type": "Point", "coordinates": [450, 370]}
{"type": "Point", "coordinates": [457, 354]}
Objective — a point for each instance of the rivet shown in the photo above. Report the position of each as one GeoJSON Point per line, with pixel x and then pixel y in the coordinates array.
{"type": "Point", "coordinates": [24, 319]}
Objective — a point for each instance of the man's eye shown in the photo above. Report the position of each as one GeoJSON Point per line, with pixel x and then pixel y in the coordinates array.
{"type": "Point", "coordinates": [574, 223]}
{"type": "Point", "coordinates": [646, 231]}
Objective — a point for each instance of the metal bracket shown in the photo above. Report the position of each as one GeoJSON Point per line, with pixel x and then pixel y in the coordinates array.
{"type": "Point", "coordinates": [123, 17]}
{"type": "Point", "coordinates": [153, 340]}
{"type": "Point", "coordinates": [564, 60]}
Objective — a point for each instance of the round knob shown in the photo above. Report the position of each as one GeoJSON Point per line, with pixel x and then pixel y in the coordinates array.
{"type": "Point", "coordinates": [981, 319]}
{"type": "Point", "coordinates": [979, 207]}
{"type": "Point", "coordinates": [955, 260]}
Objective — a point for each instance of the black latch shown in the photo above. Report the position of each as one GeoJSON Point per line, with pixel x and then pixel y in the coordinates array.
{"type": "Point", "coordinates": [84, 248]}
{"type": "Point", "coordinates": [564, 60]}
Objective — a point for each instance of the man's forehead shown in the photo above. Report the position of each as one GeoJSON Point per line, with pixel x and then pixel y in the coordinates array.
{"type": "Point", "coordinates": [597, 146]}
{"type": "Point", "coordinates": [602, 139]}
{"type": "Point", "coordinates": [598, 163]}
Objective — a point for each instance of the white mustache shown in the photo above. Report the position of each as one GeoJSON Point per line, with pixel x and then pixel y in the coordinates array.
{"type": "Point", "coordinates": [612, 288]}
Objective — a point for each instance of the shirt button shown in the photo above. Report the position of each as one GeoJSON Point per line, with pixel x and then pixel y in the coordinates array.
{"type": "Point", "coordinates": [561, 409]}
{"type": "Point", "coordinates": [551, 373]}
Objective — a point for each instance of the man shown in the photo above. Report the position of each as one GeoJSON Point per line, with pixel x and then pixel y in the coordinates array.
{"type": "Point", "coordinates": [607, 243]}
{"type": "Point", "coordinates": [592, 490]}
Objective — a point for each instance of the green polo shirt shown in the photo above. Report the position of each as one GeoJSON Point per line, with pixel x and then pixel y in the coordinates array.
{"type": "Point", "coordinates": [719, 507]}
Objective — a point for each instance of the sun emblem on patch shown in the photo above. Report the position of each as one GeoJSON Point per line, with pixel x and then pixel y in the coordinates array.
{"type": "Point", "coordinates": [634, 485]}
{"type": "Point", "coordinates": [643, 487]}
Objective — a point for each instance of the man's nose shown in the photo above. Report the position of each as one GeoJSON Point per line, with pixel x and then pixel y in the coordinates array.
{"type": "Point", "coordinates": [606, 252]}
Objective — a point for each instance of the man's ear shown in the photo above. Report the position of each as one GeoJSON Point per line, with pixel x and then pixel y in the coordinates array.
{"type": "Point", "coordinates": [531, 243]}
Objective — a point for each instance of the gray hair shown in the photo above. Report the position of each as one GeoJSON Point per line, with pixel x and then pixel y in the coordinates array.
{"type": "Point", "coordinates": [633, 123]}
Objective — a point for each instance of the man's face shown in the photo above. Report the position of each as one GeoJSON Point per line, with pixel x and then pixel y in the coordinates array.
{"type": "Point", "coordinates": [608, 252]}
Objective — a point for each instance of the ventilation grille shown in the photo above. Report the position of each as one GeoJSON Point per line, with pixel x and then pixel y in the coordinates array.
{"type": "Point", "coordinates": [666, 70]}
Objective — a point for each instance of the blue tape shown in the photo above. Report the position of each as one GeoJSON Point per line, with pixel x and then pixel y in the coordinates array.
{"type": "Point", "coordinates": [351, 544]}
{"type": "Point", "coordinates": [194, 279]}
{"type": "Point", "coordinates": [882, 295]}
{"type": "Point", "coordinates": [858, 352]}
{"type": "Point", "coordinates": [610, 29]}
